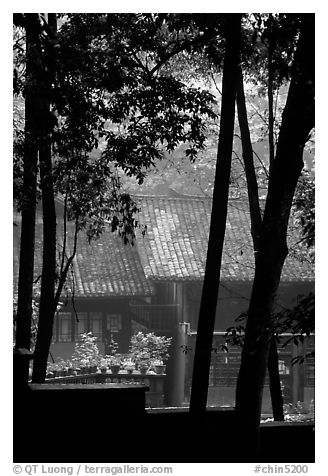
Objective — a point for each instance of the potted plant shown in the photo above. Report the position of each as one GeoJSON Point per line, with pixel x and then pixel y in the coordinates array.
{"type": "Point", "coordinates": [51, 370]}
{"type": "Point", "coordinates": [76, 370]}
{"type": "Point", "coordinates": [128, 365]}
{"type": "Point", "coordinates": [63, 367]}
{"type": "Point", "coordinates": [69, 367]}
{"type": "Point", "coordinates": [143, 362]}
{"type": "Point", "coordinates": [84, 366]}
{"type": "Point", "coordinates": [115, 363]}
{"type": "Point", "coordinates": [113, 359]}
{"type": "Point", "coordinates": [86, 353]}
{"type": "Point", "coordinates": [148, 348]}
{"type": "Point", "coordinates": [93, 365]}
{"type": "Point", "coordinates": [103, 365]}
{"type": "Point", "coordinates": [59, 368]}
{"type": "Point", "coordinates": [159, 366]}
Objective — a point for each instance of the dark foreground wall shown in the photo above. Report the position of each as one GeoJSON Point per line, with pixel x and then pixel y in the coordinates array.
{"type": "Point", "coordinates": [212, 439]}
{"type": "Point", "coordinates": [287, 442]}
{"type": "Point", "coordinates": [104, 424]}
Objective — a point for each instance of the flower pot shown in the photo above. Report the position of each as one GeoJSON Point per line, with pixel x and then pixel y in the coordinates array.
{"type": "Point", "coordinates": [115, 369]}
{"type": "Point", "coordinates": [143, 370]}
{"type": "Point", "coordinates": [160, 369]}
{"type": "Point", "coordinates": [103, 370]}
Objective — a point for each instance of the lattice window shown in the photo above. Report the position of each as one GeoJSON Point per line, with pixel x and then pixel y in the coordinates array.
{"type": "Point", "coordinates": [113, 322]}
{"type": "Point", "coordinates": [95, 324]}
{"type": "Point", "coordinates": [64, 327]}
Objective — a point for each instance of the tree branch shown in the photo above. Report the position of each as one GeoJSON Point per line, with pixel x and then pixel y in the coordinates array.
{"type": "Point", "coordinates": [253, 197]}
{"type": "Point", "coordinates": [179, 48]}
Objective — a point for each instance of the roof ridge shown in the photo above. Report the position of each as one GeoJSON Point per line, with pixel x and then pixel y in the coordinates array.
{"type": "Point", "coordinates": [165, 197]}
{"type": "Point", "coordinates": [185, 197]}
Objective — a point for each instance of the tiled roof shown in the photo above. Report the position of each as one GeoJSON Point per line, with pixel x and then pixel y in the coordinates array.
{"type": "Point", "coordinates": [175, 244]}
{"type": "Point", "coordinates": [104, 268]}
{"type": "Point", "coordinates": [173, 248]}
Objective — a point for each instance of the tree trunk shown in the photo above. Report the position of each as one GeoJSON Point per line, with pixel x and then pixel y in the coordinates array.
{"type": "Point", "coordinates": [47, 298]}
{"type": "Point", "coordinates": [270, 94]}
{"type": "Point", "coordinates": [209, 298]}
{"type": "Point", "coordinates": [297, 122]}
{"type": "Point", "coordinates": [252, 188]}
{"type": "Point", "coordinates": [47, 305]}
{"type": "Point", "coordinates": [256, 229]}
{"type": "Point", "coordinates": [273, 362]}
{"type": "Point", "coordinates": [26, 260]}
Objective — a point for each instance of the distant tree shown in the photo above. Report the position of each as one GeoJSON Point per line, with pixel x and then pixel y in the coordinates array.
{"type": "Point", "coordinates": [47, 305]}
{"type": "Point", "coordinates": [297, 123]}
{"type": "Point", "coordinates": [255, 212]}
{"type": "Point", "coordinates": [108, 89]}
{"type": "Point", "coordinates": [270, 229]}
{"type": "Point", "coordinates": [206, 321]}
{"type": "Point", "coordinates": [28, 167]}
{"type": "Point", "coordinates": [304, 211]}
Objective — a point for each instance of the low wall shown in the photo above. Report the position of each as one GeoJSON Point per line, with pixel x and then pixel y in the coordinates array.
{"type": "Point", "coordinates": [76, 422]}
{"type": "Point", "coordinates": [287, 442]}
{"type": "Point", "coordinates": [213, 438]}
{"type": "Point", "coordinates": [108, 423]}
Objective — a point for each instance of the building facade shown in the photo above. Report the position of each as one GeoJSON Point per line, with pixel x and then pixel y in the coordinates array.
{"type": "Point", "coordinates": [155, 285]}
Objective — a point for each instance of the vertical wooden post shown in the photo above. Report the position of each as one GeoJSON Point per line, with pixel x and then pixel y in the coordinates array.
{"type": "Point", "coordinates": [177, 368]}
{"type": "Point", "coordinates": [297, 375]}
{"type": "Point", "coordinates": [301, 374]}
{"type": "Point", "coordinates": [126, 329]}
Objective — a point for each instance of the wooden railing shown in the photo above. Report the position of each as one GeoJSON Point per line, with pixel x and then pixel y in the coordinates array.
{"type": "Point", "coordinates": [294, 378]}
{"type": "Point", "coordinates": [155, 382]}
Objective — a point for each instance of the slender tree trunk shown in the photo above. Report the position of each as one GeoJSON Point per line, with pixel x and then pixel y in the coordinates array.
{"type": "Point", "coordinates": [273, 363]}
{"type": "Point", "coordinates": [47, 298]}
{"type": "Point", "coordinates": [277, 400]}
{"type": "Point", "coordinates": [26, 263]}
{"type": "Point", "coordinates": [253, 194]}
{"type": "Point", "coordinates": [47, 305]}
{"type": "Point", "coordinates": [255, 351]}
{"type": "Point", "coordinates": [256, 229]}
{"type": "Point", "coordinates": [297, 122]}
{"type": "Point", "coordinates": [209, 298]}
{"type": "Point", "coordinates": [270, 94]}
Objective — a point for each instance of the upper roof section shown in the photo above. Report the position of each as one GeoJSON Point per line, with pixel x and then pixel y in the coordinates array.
{"type": "Point", "coordinates": [173, 248]}
{"type": "Point", "coordinates": [175, 244]}
{"type": "Point", "coordinates": [104, 268]}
